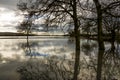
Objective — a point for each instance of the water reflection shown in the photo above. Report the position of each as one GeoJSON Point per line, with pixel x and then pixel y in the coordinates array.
{"type": "Point", "coordinates": [45, 47]}
{"type": "Point", "coordinates": [88, 47]}
{"type": "Point", "coordinates": [53, 46]}
{"type": "Point", "coordinates": [14, 50]}
{"type": "Point", "coordinates": [111, 62]}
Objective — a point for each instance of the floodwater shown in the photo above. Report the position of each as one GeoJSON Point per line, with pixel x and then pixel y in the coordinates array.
{"type": "Point", "coordinates": [12, 46]}
{"type": "Point", "coordinates": [14, 50]}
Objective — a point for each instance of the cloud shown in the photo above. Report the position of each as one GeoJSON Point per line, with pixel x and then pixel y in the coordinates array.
{"type": "Point", "coordinates": [8, 3]}
{"type": "Point", "coordinates": [9, 18]}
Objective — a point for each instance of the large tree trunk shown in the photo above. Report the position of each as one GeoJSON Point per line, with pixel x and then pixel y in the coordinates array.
{"type": "Point", "coordinates": [100, 40]}
{"type": "Point", "coordinates": [113, 35]}
{"type": "Point", "coordinates": [77, 42]}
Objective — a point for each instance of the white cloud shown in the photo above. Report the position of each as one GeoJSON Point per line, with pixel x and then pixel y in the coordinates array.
{"type": "Point", "coordinates": [9, 17]}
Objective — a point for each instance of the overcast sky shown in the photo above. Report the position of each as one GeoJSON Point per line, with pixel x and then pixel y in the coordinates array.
{"type": "Point", "coordinates": [8, 3]}
{"type": "Point", "coordinates": [8, 17]}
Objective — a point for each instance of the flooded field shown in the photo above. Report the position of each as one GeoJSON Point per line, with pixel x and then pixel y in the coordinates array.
{"type": "Point", "coordinates": [17, 51]}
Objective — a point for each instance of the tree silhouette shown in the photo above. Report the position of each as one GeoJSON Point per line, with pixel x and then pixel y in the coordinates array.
{"type": "Point", "coordinates": [57, 11]}
{"type": "Point", "coordinates": [61, 12]}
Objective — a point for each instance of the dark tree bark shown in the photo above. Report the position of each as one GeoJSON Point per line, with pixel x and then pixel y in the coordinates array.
{"type": "Point", "coordinates": [77, 40]}
{"type": "Point", "coordinates": [113, 35]}
{"type": "Point", "coordinates": [100, 40]}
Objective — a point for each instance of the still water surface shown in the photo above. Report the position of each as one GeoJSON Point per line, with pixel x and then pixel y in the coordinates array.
{"type": "Point", "coordinates": [14, 49]}
{"type": "Point", "coordinates": [41, 46]}
{"type": "Point", "coordinates": [12, 46]}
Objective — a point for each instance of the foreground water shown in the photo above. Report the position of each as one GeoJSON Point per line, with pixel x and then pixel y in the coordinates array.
{"type": "Point", "coordinates": [14, 50]}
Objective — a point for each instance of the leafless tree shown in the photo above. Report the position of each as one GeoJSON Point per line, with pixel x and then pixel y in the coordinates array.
{"type": "Point", "coordinates": [57, 11]}
{"type": "Point", "coordinates": [62, 11]}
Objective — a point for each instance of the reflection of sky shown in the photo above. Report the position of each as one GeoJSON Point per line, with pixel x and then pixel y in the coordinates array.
{"type": "Point", "coordinates": [12, 50]}
{"type": "Point", "coordinates": [11, 47]}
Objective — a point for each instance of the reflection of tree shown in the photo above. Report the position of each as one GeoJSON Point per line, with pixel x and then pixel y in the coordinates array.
{"type": "Point", "coordinates": [49, 69]}
{"type": "Point", "coordinates": [89, 66]}
{"type": "Point", "coordinates": [88, 47]}
{"type": "Point", "coordinates": [28, 47]}
{"type": "Point", "coordinates": [0, 57]}
{"type": "Point", "coordinates": [111, 63]}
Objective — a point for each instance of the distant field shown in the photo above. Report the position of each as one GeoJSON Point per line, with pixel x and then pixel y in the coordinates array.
{"type": "Point", "coordinates": [14, 34]}
{"type": "Point", "coordinates": [30, 34]}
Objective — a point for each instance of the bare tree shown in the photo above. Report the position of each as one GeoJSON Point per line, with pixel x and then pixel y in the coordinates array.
{"type": "Point", "coordinates": [62, 11]}
{"type": "Point", "coordinates": [46, 69]}
{"type": "Point", "coordinates": [57, 11]}
{"type": "Point", "coordinates": [99, 9]}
